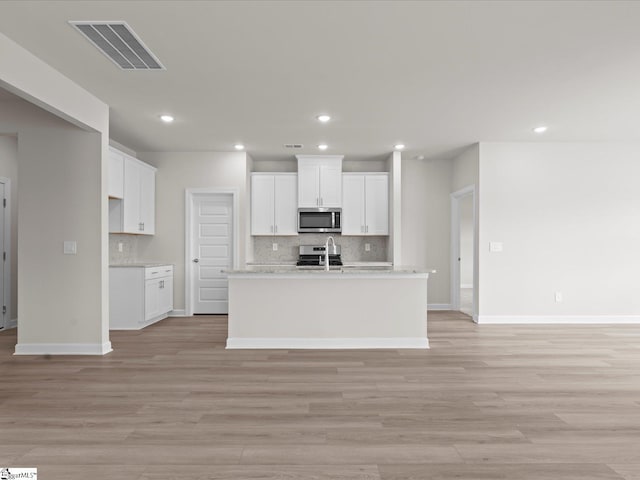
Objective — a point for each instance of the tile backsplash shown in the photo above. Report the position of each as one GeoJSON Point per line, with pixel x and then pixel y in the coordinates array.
{"type": "Point", "coordinates": [129, 252]}
{"type": "Point", "coordinates": [353, 248]}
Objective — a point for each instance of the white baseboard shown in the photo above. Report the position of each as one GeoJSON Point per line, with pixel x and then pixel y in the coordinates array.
{"type": "Point", "coordinates": [177, 313]}
{"type": "Point", "coordinates": [63, 348]}
{"type": "Point", "coordinates": [13, 323]}
{"type": "Point", "coordinates": [142, 325]}
{"type": "Point", "coordinates": [466, 285]}
{"type": "Point", "coordinates": [439, 306]}
{"type": "Point", "coordinates": [327, 343]}
{"type": "Point", "coordinates": [558, 319]}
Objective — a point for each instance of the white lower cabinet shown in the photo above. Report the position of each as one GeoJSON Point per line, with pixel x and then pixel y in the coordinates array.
{"type": "Point", "coordinates": [139, 295]}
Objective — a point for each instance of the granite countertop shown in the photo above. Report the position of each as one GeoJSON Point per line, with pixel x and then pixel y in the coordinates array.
{"type": "Point", "coordinates": [139, 265]}
{"type": "Point", "coordinates": [335, 270]}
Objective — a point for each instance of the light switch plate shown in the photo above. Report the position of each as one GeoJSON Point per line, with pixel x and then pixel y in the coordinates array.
{"type": "Point", "coordinates": [275, 247]}
{"type": "Point", "coordinates": [70, 247]}
{"type": "Point", "coordinates": [367, 247]}
{"type": "Point", "coordinates": [120, 247]}
{"type": "Point", "coordinates": [495, 246]}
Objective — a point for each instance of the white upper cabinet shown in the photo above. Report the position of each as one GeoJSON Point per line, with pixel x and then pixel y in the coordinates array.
{"type": "Point", "coordinates": [319, 180]}
{"type": "Point", "coordinates": [365, 207]}
{"type": "Point", "coordinates": [116, 174]}
{"type": "Point", "coordinates": [134, 211]}
{"type": "Point", "coordinates": [148, 199]}
{"type": "Point", "coordinates": [353, 218]}
{"type": "Point", "coordinates": [274, 204]}
{"type": "Point", "coordinates": [286, 204]}
{"type": "Point", "coordinates": [376, 204]}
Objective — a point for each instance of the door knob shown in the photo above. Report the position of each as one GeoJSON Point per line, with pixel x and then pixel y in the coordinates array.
{"type": "Point", "coordinates": [196, 260]}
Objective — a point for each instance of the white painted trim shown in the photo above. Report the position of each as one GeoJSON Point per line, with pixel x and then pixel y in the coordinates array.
{"type": "Point", "coordinates": [177, 313]}
{"type": "Point", "coordinates": [189, 195]}
{"type": "Point", "coordinates": [63, 348]}
{"type": "Point", "coordinates": [455, 247]}
{"type": "Point", "coordinates": [439, 306]}
{"type": "Point", "coordinates": [7, 248]}
{"type": "Point", "coordinates": [326, 343]}
{"type": "Point", "coordinates": [144, 324]}
{"type": "Point", "coordinates": [557, 319]}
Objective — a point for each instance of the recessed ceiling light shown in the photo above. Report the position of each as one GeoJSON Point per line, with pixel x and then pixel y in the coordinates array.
{"type": "Point", "coordinates": [399, 146]}
{"type": "Point", "coordinates": [540, 129]}
{"type": "Point", "coordinates": [238, 146]}
{"type": "Point", "coordinates": [166, 118]}
{"type": "Point", "coordinates": [419, 157]}
{"type": "Point", "coordinates": [324, 118]}
{"type": "Point", "coordinates": [323, 146]}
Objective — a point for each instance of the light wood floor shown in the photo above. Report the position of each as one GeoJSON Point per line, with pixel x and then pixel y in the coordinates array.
{"type": "Point", "coordinates": [489, 402]}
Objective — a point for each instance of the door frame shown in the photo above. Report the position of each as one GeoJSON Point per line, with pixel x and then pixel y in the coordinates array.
{"type": "Point", "coordinates": [7, 320]}
{"type": "Point", "coordinates": [190, 195]}
{"type": "Point", "coordinates": [456, 197]}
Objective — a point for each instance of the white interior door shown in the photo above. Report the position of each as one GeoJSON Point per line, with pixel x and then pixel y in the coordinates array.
{"type": "Point", "coordinates": [465, 256]}
{"type": "Point", "coordinates": [212, 247]}
{"type": "Point", "coordinates": [3, 264]}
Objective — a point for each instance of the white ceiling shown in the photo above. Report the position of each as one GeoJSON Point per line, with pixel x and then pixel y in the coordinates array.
{"type": "Point", "coordinates": [436, 76]}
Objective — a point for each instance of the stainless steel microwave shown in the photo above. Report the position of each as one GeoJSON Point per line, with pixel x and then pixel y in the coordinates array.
{"type": "Point", "coordinates": [319, 220]}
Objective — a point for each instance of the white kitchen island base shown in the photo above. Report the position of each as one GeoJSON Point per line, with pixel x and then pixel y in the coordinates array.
{"type": "Point", "coordinates": [317, 309]}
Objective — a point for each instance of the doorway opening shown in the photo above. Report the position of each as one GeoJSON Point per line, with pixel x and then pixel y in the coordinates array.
{"type": "Point", "coordinates": [5, 253]}
{"type": "Point", "coordinates": [464, 240]}
{"type": "Point", "coordinates": [211, 248]}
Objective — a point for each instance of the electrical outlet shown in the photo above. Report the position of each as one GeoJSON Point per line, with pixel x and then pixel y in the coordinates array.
{"type": "Point", "coordinates": [495, 246]}
{"type": "Point", "coordinates": [558, 297]}
{"type": "Point", "coordinates": [275, 247]}
{"type": "Point", "coordinates": [120, 247]}
{"type": "Point", "coordinates": [367, 247]}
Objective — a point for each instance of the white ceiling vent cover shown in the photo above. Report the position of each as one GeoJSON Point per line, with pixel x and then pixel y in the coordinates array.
{"type": "Point", "coordinates": [120, 43]}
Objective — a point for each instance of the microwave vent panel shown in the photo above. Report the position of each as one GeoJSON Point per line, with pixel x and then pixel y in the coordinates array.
{"type": "Point", "coordinates": [120, 43]}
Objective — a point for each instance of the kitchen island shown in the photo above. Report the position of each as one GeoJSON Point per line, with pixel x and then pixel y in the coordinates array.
{"type": "Point", "coordinates": [285, 307]}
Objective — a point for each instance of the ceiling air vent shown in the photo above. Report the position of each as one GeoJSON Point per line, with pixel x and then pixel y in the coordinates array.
{"type": "Point", "coordinates": [120, 43]}
{"type": "Point", "coordinates": [293, 145]}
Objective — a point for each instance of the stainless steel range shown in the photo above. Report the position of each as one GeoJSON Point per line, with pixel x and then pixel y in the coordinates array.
{"type": "Point", "coordinates": [313, 256]}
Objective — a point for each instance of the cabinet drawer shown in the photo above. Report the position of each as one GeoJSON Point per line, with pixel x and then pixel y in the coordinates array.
{"type": "Point", "coordinates": [158, 272]}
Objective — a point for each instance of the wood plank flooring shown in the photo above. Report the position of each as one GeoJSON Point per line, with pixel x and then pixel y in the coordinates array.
{"type": "Point", "coordinates": [485, 402]}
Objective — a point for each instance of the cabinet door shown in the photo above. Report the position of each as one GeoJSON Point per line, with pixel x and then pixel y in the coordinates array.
{"type": "Point", "coordinates": [377, 204]}
{"type": "Point", "coordinates": [308, 184]}
{"type": "Point", "coordinates": [116, 174]}
{"type": "Point", "coordinates": [147, 200]}
{"type": "Point", "coordinates": [286, 204]}
{"type": "Point", "coordinates": [166, 295]}
{"type": "Point", "coordinates": [151, 299]}
{"type": "Point", "coordinates": [331, 184]}
{"type": "Point", "coordinates": [262, 201]}
{"type": "Point", "coordinates": [131, 222]}
{"type": "Point", "coordinates": [353, 211]}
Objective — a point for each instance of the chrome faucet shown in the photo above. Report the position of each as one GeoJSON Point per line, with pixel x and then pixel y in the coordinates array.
{"type": "Point", "coordinates": [326, 251]}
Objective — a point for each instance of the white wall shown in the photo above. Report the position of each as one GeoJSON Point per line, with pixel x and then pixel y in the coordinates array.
{"type": "Point", "coordinates": [178, 171]}
{"type": "Point", "coordinates": [466, 168]}
{"type": "Point", "coordinates": [9, 169]}
{"type": "Point", "coordinates": [569, 218]}
{"type": "Point", "coordinates": [60, 297]}
{"type": "Point", "coordinates": [426, 222]}
{"type": "Point", "coordinates": [63, 302]}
